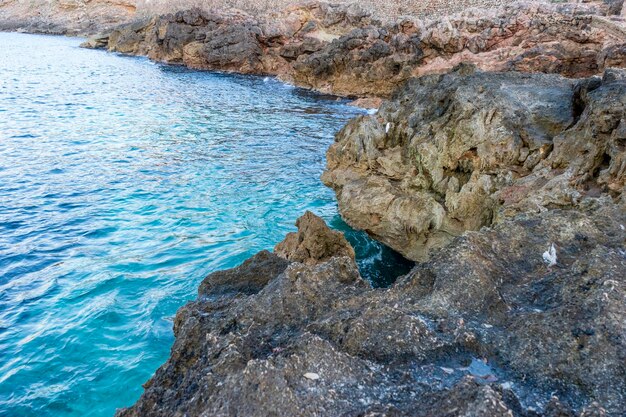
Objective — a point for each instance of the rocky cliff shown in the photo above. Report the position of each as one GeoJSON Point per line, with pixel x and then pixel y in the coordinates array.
{"type": "Point", "coordinates": [344, 50]}
{"type": "Point", "coordinates": [460, 151]}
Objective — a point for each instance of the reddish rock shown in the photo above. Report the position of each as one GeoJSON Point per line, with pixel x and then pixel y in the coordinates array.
{"type": "Point", "coordinates": [460, 151]}
{"type": "Point", "coordinates": [67, 17]}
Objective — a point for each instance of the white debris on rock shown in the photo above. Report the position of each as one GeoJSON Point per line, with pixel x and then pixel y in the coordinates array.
{"type": "Point", "coordinates": [549, 256]}
{"type": "Point", "coordinates": [312, 376]}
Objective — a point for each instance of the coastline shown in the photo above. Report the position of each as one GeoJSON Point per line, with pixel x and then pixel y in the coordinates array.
{"type": "Point", "coordinates": [499, 140]}
{"type": "Point", "coordinates": [345, 51]}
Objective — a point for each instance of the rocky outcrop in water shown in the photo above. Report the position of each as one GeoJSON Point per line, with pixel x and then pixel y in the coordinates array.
{"type": "Point", "coordinates": [485, 328]}
{"type": "Point", "coordinates": [314, 242]}
{"type": "Point", "coordinates": [343, 50]}
{"type": "Point", "coordinates": [460, 151]}
{"type": "Point", "coordinates": [65, 17]}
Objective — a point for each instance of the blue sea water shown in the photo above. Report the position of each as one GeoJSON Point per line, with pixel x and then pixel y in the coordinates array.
{"type": "Point", "coordinates": [123, 183]}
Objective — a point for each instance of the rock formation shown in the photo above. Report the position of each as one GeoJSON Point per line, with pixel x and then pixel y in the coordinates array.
{"type": "Point", "coordinates": [343, 50]}
{"type": "Point", "coordinates": [485, 328]}
{"type": "Point", "coordinates": [313, 243]}
{"type": "Point", "coordinates": [508, 187]}
{"type": "Point", "coordinates": [460, 151]}
{"type": "Point", "coordinates": [480, 176]}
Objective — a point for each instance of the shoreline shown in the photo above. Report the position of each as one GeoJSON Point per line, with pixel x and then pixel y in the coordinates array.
{"type": "Point", "coordinates": [344, 51]}
{"type": "Point", "coordinates": [496, 162]}
{"type": "Point", "coordinates": [353, 55]}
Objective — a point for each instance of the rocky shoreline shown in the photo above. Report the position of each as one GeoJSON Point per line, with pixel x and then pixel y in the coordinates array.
{"type": "Point", "coordinates": [343, 50]}
{"type": "Point", "coordinates": [506, 187]}
{"type": "Point", "coordinates": [485, 328]}
{"type": "Point", "coordinates": [497, 162]}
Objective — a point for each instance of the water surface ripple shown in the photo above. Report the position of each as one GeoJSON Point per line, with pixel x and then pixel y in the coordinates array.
{"type": "Point", "coordinates": [122, 184]}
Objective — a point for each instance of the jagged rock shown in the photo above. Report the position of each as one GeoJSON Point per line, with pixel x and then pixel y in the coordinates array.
{"type": "Point", "coordinates": [126, 41]}
{"type": "Point", "coordinates": [343, 50]}
{"type": "Point", "coordinates": [96, 42]}
{"type": "Point", "coordinates": [66, 17]}
{"type": "Point", "coordinates": [459, 151]}
{"type": "Point", "coordinates": [314, 242]}
{"type": "Point", "coordinates": [485, 328]}
{"type": "Point", "coordinates": [614, 7]}
{"type": "Point", "coordinates": [481, 173]}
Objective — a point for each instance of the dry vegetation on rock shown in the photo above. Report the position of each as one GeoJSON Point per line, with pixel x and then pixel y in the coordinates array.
{"type": "Point", "coordinates": [384, 10]}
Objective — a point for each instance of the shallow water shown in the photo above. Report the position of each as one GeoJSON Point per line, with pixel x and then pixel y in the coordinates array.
{"type": "Point", "coordinates": [122, 184]}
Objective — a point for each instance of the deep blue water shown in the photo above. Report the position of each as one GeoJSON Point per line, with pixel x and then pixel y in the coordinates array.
{"type": "Point", "coordinates": [122, 184]}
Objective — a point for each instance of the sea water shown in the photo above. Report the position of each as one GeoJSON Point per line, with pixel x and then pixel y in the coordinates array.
{"type": "Point", "coordinates": [123, 183]}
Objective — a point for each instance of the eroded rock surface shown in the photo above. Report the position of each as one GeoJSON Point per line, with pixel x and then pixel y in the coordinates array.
{"type": "Point", "coordinates": [485, 328]}
{"type": "Point", "coordinates": [460, 151]}
{"type": "Point", "coordinates": [314, 242]}
{"type": "Point", "coordinates": [343, 50]}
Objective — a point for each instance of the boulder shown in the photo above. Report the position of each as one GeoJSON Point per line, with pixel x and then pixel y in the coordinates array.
{"type": "Point", "coordinates": [314, 242]}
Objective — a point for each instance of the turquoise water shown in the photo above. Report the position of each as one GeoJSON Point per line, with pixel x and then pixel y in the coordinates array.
{"type": "Point", "coordinates": [122, 184]}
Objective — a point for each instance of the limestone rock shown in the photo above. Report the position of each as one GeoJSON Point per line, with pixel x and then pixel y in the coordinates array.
{"type": "Point", "coordinates": [248, 278]}
{"type": "Point", "coordinates": [314, 242]}
{"type": "Point", "coordinates": [66, 17]}
{"type": "Point", "coordinates": [343, 50]}
{"type": "Point", "coordinates": [545, 320]}
{"type": "Point", "coordinates": [461, 151]}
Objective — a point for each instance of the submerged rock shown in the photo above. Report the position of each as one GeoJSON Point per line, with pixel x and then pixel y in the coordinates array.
{"type": "Point", "coordinates": [342, 49]}
{"type": "Point", "coordinates": [460, 151]}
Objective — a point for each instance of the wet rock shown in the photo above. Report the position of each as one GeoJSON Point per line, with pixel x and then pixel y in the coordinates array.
{"type": "Point", "coordinates": [314, 242]}
{"type": "Point", "coordinates": [460, 151]}
{"type": "Point", "coordinates": [248, 278]}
